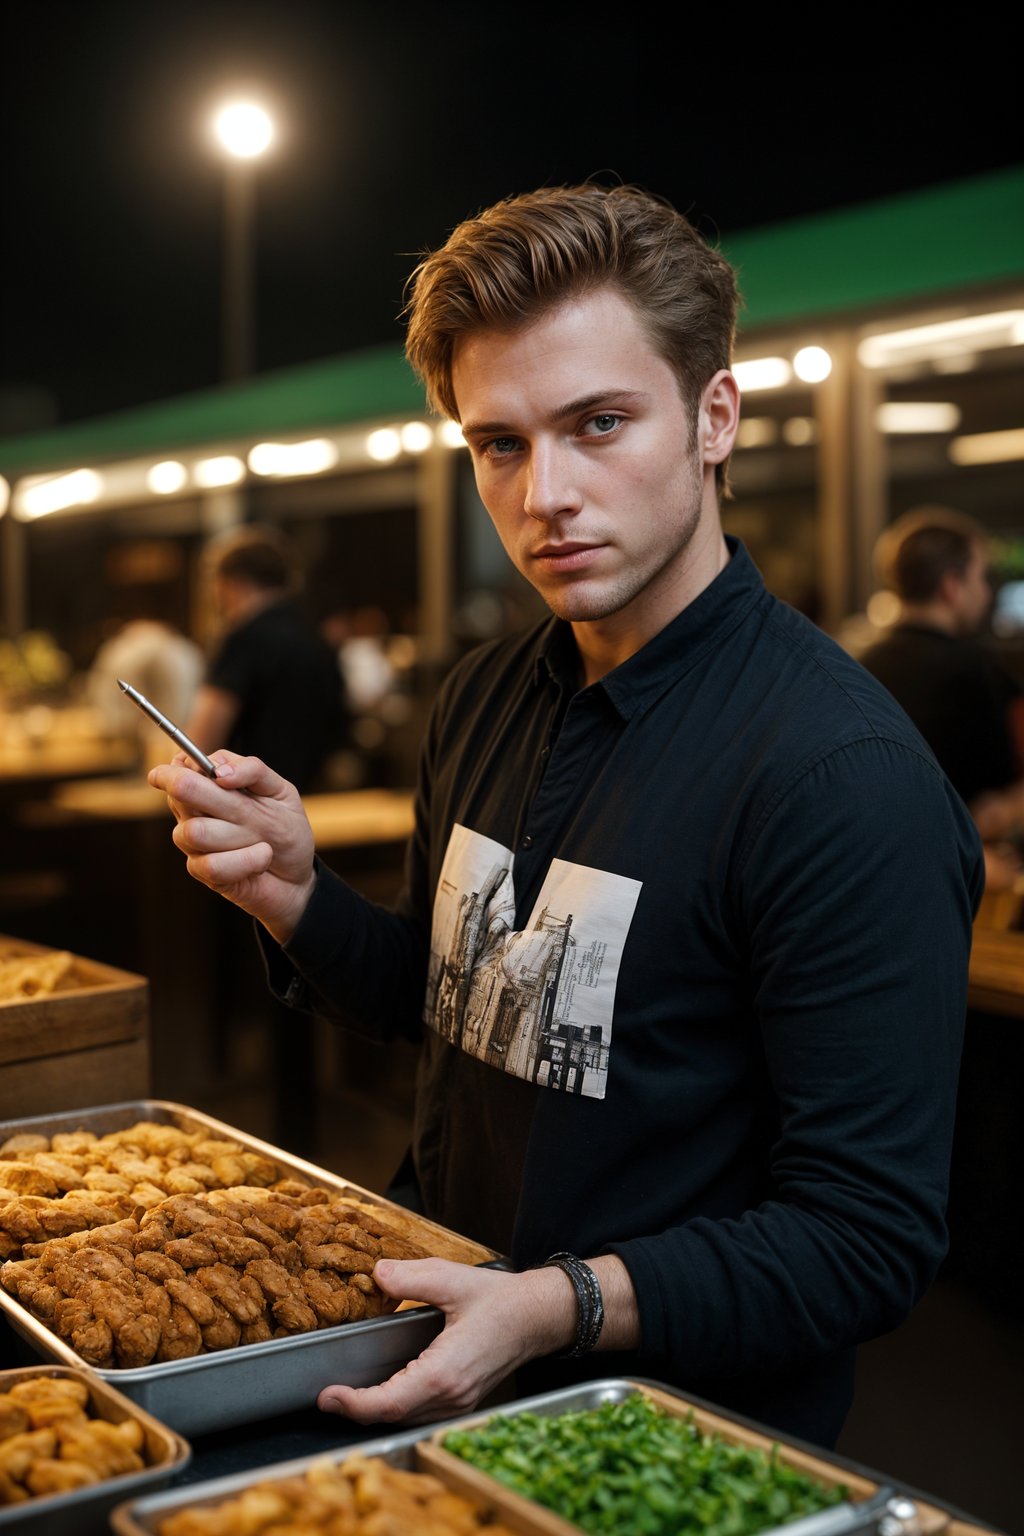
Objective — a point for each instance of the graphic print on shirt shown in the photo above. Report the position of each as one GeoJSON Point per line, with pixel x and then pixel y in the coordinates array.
{"type": "Point", "coordinates": [537, 1003]}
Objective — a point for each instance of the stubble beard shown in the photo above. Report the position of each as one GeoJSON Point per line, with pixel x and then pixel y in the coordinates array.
{"type": "Point", "coordinates": [586, 601]}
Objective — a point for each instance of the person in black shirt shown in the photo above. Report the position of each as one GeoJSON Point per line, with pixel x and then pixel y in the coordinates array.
{"type": "Point", "coordinates": [933, 661]}
{"type": "Point", "coordinates": [688, 905]}
{"type": "Point", "coordinates": [273, 688]}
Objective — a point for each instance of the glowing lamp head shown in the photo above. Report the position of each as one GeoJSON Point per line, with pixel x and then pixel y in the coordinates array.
{"type": "Point", "coordinates": [243, 129]}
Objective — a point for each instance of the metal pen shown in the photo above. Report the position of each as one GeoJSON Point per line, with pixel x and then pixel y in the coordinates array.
{"type": "Point", "coordinates": [174, 732]}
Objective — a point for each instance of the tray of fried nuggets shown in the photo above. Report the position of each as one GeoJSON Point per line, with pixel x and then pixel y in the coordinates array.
{"type": "Point", "coordinates": [71, 1448]}
{"type": "Point", "coordinates": [378, 1490]}
{"type": "Point", "coordinates": [210, 1277]}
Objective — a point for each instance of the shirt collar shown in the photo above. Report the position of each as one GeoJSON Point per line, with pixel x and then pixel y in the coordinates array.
{"type": "Point", "coordinates": [671, 653]}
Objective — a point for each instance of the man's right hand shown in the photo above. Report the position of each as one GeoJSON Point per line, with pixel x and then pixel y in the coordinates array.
{"type": "Point", "coordinates": [245, 835]}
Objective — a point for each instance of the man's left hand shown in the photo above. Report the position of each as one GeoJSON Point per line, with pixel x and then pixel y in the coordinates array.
{"type": "Point", "coordinates": [494, 1322]}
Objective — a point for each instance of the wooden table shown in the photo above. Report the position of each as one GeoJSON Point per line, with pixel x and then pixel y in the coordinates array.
{"type": "Point", "coordinates": [345, 819]}
{"type": "Point", "coordinates": [996, 978]}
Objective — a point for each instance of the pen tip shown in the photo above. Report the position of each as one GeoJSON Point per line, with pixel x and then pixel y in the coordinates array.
{"type": "Point", "coordinates": [122, 685]}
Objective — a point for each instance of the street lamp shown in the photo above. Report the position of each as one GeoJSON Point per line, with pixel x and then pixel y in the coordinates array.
{"type": "Point", "coordinates": [244, 131]}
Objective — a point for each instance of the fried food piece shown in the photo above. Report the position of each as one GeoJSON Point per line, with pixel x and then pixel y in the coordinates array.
{"type": "Point", "coordinates": [191, 1252]}
{"type": "Point", "coordinates": [14, 1420]}
{"type": "Point", "coordinates": [73, 1141]}
{"type": "Point", "coordinates": [18, 1453]}
{"type": "Point", "coordinates": [238, 1293]}
{"type": "Point", "coordinates": [224, 1332]}
{"type": "Point", "coordinates": [273, 1279]}
{"type": "Point", "coordinates": [245, 1168]}
{"type": "Point", "coordinates": [59, 1476]}
{"type": "Point", "coordinates": [328, 1295]}
{"type": "Point", "coordinates": [12, 1492]}
{"type": "Point", "coordinates": [41, 1389]}
{"type": "Point", "coordinates": [99, 1445]}
{"type": "Point", "coordinates": [257, 1332]}
{"type": "Point", "coordinates": [24, 1143]}
{"type": "Point", "coordinates": [26, 1179]}
{"type": "Point", "coordinates": [191, 1295]}
{"type": "Point", "coordinates": [180, 1337]}
{"type": "Point", "coordinates": [337, 1256]}
{"type": "Point", "coordinates": [88, 1334]}
{"type": "Point", "coordinates": [24, 976]}
{"type": "Point", "coordinates": [158, 1266]}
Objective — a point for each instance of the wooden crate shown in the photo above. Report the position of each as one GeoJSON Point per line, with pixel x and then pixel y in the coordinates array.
{"type": "Point", "coordinates": [84, 1044]}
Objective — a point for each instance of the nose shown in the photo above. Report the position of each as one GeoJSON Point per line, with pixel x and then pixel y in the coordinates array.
{"type": "Point", "coordinates": [551, 488]}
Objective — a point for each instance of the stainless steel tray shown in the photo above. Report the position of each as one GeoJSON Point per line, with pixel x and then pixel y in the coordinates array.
{"type": "Point", "coordinates": [142, 1516]}
{"type": "Point", "coordinates": [86, 1510]}
{"type": "Point", "coordinates": [252, 1381]}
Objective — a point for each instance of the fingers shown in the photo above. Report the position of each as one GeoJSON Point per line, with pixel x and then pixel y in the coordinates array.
{"type": "Point", "coordinates": [223, 871]}
{"type": "Point", "coordinates": [423, 1392]}
{"type": "Point", "coordinates": [206, 796]}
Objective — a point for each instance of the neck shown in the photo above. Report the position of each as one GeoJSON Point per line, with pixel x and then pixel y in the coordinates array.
{"type": "Point", "coordinates": [252, 601]}
{"type": "Point", "coordinates": [929, 616]}
{"type": "Point", "coordinates": [606, 643]}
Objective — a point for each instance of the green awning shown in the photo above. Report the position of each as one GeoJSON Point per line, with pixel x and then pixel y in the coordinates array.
{"type": "Point", "coordinates": [961, 235]}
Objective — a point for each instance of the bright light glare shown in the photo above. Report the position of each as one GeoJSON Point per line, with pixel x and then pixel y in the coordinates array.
{"type": "Point", "coordinates": [244, 129]}
{"type": "Point", "coordinates": [757, 432]}
{"type": "Point", "coordinates": [224, 470]}
{"type": "Point", "coordinates": [416, 437]}
{"type": "Point", "coordinates": [5, 495]}
{"type": "Point", "coordinates": [799, 431]}
{"type": "Point", "coordinates": [167, 477]}
{"type": "Point", "coordinates": [450, 434]}
{"type": "Point", "coordinates": [312, 457]}
{"type": "Point", "coordinates": [943, 339]}
{"type": "Point", "coordinates": [812, 364]}
{"type": "Point", "coordinates": [917, 416]}
{"type": "Point", "coordinates": [40, 497]}
{"type": "Point", "coordinates": [384, 445]}
{"type": "Point", "coordinates": [762, 373]}
{"type": "Point", "coordinates": [988, 447]}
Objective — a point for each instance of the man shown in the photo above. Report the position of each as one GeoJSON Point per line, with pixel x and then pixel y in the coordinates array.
{"type": "Point", "coordinates": [960, 697]}
{"type": "Point", "coordinates": [273, 688]}
{"type": "Point", "coordinates": [688, 902]}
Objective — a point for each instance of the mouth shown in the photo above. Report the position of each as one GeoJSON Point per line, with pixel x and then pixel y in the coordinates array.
{"type": "Point", "coordinates": [566, 556]}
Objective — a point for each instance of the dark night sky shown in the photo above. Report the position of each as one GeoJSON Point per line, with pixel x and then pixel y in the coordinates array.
{"type": "Point", "coordinates": [399, 120]}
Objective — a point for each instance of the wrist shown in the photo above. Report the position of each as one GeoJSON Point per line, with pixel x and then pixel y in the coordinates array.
{"type": "Point", "coordinates": [282, 926]}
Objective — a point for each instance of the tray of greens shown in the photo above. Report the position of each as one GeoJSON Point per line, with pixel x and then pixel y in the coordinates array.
{"type": "Point", "coordinates": [639, 1461]}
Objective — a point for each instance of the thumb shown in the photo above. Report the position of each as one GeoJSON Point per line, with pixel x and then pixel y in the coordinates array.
{"type": "Point", "coordinates": [427, 1280]}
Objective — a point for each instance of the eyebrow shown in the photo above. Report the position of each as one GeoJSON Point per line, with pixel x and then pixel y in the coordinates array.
{"type": "Point", "coordinates": [563, 412]}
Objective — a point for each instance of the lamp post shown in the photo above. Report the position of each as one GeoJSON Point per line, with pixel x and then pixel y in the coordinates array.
{"type": "Point", "coordinates": [244, 131]}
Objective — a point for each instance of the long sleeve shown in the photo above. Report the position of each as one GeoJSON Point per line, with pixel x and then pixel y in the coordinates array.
{"type": "Point", "coordinates": [856, 894]}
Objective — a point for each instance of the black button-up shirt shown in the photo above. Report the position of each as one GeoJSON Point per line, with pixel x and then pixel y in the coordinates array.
{"type": "Point", "coordinates": [695, 977]}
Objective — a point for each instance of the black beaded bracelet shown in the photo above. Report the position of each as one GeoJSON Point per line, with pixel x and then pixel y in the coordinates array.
{"type": "Point", "coordinates": [589, 1301]}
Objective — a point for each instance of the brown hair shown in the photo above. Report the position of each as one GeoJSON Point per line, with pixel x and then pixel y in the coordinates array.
{"type": "Point", "coordinates": [525, 254]}
{"type": "Point", "coordinates": [915, 552]}
{"type": "Point", "coordinates": [255, 554]}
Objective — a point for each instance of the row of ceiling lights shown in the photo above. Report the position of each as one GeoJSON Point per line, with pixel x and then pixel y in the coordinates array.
{"type": "Point", "coordinates": [951, 343]}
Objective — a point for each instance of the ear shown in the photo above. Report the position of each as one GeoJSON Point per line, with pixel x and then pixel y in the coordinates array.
{"type": "Point", "coordinates": [719, 417]}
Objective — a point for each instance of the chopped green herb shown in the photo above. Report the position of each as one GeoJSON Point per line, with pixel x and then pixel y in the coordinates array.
{"type": "Point", "coordinates": [635, 1470]}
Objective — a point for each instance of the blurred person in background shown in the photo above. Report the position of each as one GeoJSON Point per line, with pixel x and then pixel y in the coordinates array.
{"type": "Point", "coordinates": [935, 662]}
{"type": "Point", "coordinates": [675, 857]}
{"type": "Point", "coordinates": [273, 688]}
{"type": "Point", "coordinates": [158, 660]}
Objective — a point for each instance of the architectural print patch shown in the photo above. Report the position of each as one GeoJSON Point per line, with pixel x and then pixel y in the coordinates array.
{"type": "Point", "coordinates": [537, 1003]}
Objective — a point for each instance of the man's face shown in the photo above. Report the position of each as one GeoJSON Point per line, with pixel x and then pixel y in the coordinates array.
{"type": "Point", "coordinates": [583, 454]}
{"type": "Point", "coordinates": [972, 592]}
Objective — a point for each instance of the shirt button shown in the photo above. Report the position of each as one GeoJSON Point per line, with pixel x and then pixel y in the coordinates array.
{"type": "Point", "coordinates": [545, 754]}
{"type": "Point", "coordinates": [527, 841]}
